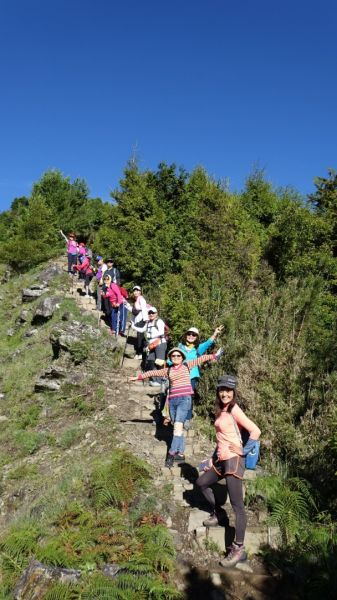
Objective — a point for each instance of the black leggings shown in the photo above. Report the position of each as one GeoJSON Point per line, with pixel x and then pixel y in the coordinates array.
{"type": "Point", "coordinates": [140, 342]}
{"type": "Point", "coordinates": [234, 487]}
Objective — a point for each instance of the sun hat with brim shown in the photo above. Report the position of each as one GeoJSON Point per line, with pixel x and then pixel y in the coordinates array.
{"type": "Point", "coordinates": [193, 330]}
{"type": "Point", "coordinates": [177, 350]}
{"type": "Point", "coordinates": [227, 381]}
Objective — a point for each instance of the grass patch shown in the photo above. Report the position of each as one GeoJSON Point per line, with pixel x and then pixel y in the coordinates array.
{"type": "Point", "coordinates": [23, 472]}
{"type": "Point", "coordinates": [69, 437]}
{"type": "Point", "coordinates": [29, 442]}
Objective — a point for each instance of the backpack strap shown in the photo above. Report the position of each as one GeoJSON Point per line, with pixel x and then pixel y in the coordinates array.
{"type": "Point", "coordinates": [236, 429]}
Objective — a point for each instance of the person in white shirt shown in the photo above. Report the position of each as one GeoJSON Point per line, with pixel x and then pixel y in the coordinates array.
{"type": "Point", "coordinates": [156, 344]}
{"type": "Point", "coordinates": [139, 319]}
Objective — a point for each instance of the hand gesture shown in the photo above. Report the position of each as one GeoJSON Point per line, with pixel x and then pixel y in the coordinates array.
{"type": "Point", "coordinates": [133, 378]}
{"type": "Point", "coordinates": [218, 330]}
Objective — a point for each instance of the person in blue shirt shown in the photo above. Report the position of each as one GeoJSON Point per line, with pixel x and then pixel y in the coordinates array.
{"type": "Point", "coordinates": [191, 345]}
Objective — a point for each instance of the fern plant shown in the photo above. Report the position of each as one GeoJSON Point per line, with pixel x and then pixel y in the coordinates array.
{"type": "Point", "coordinates": [115, 483]}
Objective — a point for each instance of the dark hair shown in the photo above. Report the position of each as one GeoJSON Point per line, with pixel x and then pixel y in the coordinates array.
{"type": "Point", "coordinates": [219, 406]}
{"type": "Point", "coordinates": [183, 339]}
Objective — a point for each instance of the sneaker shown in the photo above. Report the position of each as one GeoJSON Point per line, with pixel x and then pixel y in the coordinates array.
{"type": "Point", "coordinates": [122, 334]}
{"type": "Point", "coordinates": [179, 456]}
{"type": "Point", "coordinates": [211, 521]}
{"type": "Point", "coordinates": [139, 356]}
{"type": "Point", "coordinates": [236, 554]}
{"type": "Point", "coordinates": [154, 384]}
{"type": "Point", "coordinates": [169, 461]}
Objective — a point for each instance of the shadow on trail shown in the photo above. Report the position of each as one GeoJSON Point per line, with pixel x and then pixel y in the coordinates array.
{"type": "Point", "coordinates": [164, 433]}
{"type": "Point", "coordinates": [200, 587]}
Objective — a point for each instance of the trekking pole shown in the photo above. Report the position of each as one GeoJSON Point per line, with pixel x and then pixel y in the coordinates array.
{"type": "Point", "coordinates": [126, 340]}
{"type": "Point", "coordinates": [118, 317]}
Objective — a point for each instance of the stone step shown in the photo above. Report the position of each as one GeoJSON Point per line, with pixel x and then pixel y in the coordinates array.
{"type": "Point", "coordinates": [255, 538]}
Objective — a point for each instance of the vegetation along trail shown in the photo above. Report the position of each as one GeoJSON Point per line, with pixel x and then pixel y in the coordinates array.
{"type": "Point", "coordinates": [87, 508]}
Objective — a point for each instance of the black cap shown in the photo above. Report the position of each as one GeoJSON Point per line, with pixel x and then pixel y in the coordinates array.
{"type": "Point", "coordinates": [227, 381]}
{"type": "Point", "coordinates": [109, 260]}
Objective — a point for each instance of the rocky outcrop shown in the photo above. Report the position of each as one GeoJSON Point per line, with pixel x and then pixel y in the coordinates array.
{"type": "Point", "coordinates": [23, 317]}
{"type": "Point", "coordinates": [46, 309]}
{"type": "Point", "coordinates": [33, 292]}
{"type": "Point", "coordinates": [37, 579]}
{"type": "Point", "coordinates": [48, 274]}
{"type": "Point", "coordinates": [77, 339]}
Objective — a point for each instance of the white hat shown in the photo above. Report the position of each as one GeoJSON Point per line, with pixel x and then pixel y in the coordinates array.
{"type": "Point", "coordinates": [152, 309]}
{"type": "Point", "coordinates": [136, 287]}
{"type": "Point", "coordinates": [194, 330]}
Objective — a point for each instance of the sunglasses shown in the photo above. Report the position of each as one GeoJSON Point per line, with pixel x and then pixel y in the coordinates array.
{"type": "Point", "coordinates": [176, 356]}
{"type": "Point", "coordinates": [192, 333]}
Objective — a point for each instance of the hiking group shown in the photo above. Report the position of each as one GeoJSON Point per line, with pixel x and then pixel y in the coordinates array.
{"type": "Point", "coordinates": [177, 371]}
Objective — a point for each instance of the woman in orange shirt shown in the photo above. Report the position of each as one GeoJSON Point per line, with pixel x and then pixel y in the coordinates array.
{"type": "Point", "coordinates": [228, 461]}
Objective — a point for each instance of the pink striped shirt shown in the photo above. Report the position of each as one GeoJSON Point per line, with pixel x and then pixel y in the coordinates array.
{"type": "Point", "coordinates": [179, 376]}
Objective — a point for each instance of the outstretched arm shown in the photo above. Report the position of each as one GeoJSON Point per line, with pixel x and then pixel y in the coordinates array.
{"type": "Point", "coordinates": [147, 374]}
{"type": "Point", "coordinates": [205, 358]}
{"type": "Point", "coordinates": [64, 236]}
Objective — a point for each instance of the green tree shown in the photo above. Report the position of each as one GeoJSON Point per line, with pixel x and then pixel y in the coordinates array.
{"type": "Point", "coordinates": [33, 238]}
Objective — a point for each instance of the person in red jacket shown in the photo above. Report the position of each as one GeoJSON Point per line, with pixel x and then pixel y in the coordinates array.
{"type": "Point", "coordinates": [86, 271]}
{"type": "Point", "coordinates": [112, 294]}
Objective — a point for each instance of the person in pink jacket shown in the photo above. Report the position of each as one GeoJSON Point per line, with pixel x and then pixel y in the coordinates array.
{"type": "Point", "coordinates": [116, 300]}
{"type": "Point", "coordinates": [72, 250]}
{"type": "Point", "coordinates": [85, 269]}
{"type": "Point", "coordinates": [229, 461]}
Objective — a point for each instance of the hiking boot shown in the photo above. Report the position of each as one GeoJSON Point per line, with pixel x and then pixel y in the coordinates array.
{"type": "Point", "coordinates": [169, 461]}
{"type": "Point", "coordinates": [139, 356]}
{"type": "Point", "coordinates": [236, 554]}
{"type": "Point", "coordinates": [211, 521]}
{"type": "Point", "coordinates": [179, 456]}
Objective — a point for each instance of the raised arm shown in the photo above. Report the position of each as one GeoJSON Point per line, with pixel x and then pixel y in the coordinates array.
{"type": "Point", "coordinates": [205, 358]}
{"type": "Point", "coordinates": [64, 236]}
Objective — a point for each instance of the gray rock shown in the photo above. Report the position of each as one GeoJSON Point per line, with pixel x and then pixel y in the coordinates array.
{"type": "Point", "coordinates": [3, 418]}
{"type": "Point", "coordinates": [6, 276]}
{"type": "Point", "coordinates": [55, 372]}
{"type": "Point", "coordinates": [2, 396]}
{"type": "Point", "coordinates": [38, 578]}
{"type": "Point", "coordinates": [76, 333]}
{"type": "Point", "coordinates": [23, 317]}
{"type": "Point", "coordinates": [29, 294]}
{"type": "Point", "coordinates": [49, 273]}
{"type": "Point", "coordinates": [46, 385]}
{"type": "Point", "coordinates": [38, 286]}
{"type": "Point", "coordinates": [46, 309]}
{"type": "Point", "coordinates": [111, 570]}
{"type": "Point", "coordinates": [10, 332]}
{"type": "Point", "coordinates": [30, 333]}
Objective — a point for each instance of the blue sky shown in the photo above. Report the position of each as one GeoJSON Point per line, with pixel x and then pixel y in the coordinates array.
{"type": "Point", "coordinates": [227, 85]}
